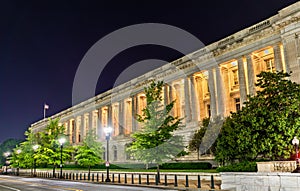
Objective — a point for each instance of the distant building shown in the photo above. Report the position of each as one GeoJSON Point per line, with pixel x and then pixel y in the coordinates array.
{"type": "Point", "coordinates": [210, 82]}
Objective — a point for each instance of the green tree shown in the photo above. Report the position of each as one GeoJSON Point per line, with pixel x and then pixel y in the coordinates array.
{"type": "Point", "coordinates": [25, 158]}
{"type": "Point", "coordinates": [266, 124]}
{"type": "Point", "coordinates": [89, 154]}
{"type": "Point", "coordinates": [7, 146]}
{"type": "Point", "coordinates": [48, 152]}
{"type": "Point", "coordinates": [195, 142]}
{"type": "Point", "coordinates": [155, 142]}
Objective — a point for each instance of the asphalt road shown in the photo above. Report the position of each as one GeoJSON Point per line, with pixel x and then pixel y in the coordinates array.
{"type": "Point", "coordinates": [13, 183]}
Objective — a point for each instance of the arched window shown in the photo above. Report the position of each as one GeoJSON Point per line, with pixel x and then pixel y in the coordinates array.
{"type": "Point", "coordinates": [115, 150]}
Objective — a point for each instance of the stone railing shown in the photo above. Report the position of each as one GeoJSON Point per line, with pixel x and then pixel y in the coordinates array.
{"type": "Point", "coordinates": [276, 166]}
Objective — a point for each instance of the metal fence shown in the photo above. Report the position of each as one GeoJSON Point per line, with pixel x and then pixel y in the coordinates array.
{"type": "Point", "coordinates": [165, 180]}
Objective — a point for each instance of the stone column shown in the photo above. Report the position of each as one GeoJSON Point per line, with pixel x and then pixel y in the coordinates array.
{"type": "Point", "coordinates": [100, 132]}
{"type": "Point", "coordinates": [121, 117]}
{"type": "Point", "coordinates": [90, 127]}
{"type": "Point", "coordinates": [194, 100]}
{"type": "Point", "coordinates": [171, 97]}
{"type": "Point", "coordinates": [251, 75]}
{"type": "Point", "coordinates": [136, 109]}
{"type": "Point", "coordinates": [171, 93]}
{"type": "Point", "coordinates": [78, 127]}
{"type": "Point", "coordinates": [277, 57]}
{"type": "Point", "coordinates": [134, 106]}
{"type": "Point", "coordinates": [71, 131]}
{"type": "Point", "coordinates": [187, 100]}
{"type": "Point", "coordinates": [211, 85]}
{"type": "Point", "coordinates": [220, 93]}
{"type": "Point", "coordinates": [109, 116]}
{"type": "Point", "coordinates": [286, 60]}
{"type": "Point", "coordinates": [68, 131]}
{"type": "Point", "coordinates": [82, 128]}
{"type": "Point", "coordinates": [166, 99]}
{"type": "Point", "coordinates": [242, 81]}
{"type": "Point", "coordinates": [291, 48]}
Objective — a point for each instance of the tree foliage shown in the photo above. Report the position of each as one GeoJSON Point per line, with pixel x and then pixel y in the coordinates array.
{"type": "Point", "coordinates": [7, 146]}
{"type": "Point", "coordinates": [155, 142]}
{"type": "Point", "coordinates": [89, 154]}
{"type": "Point", "coordinates": [266, 124]}
{"type": "Point", "coordinates": [25, 158]}
{"type": "Point", "coordinates": [48, 151]}
{"type": "Point", "coordinates": [49, 147]}
{"type": "Point", "coordinates": [195, 142]}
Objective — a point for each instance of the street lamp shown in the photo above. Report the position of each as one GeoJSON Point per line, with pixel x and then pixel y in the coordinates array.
{"type": "Point", "coordinates": [107, 132]}
{"type": "Point", "coordinates": [18, 168]}
{"type": "Point", "coordinates": [295, 142]}
{"type": "Point", "coordinates": [6, 154]}
{"type": "Point", "coordinates": [61, 142]}
{"type": "Point", "coordinates": [34, 147]}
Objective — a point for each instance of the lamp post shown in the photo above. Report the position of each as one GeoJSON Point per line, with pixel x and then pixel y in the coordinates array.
{"type": "Point", "coordinates": [107, 132]}
{"type": "Point", "coordinates": [34, 147]}
{"type": "Point", "coordinates": [295, 142]}
{"type": "Point", "coordinates": [6, 154]}
{"type": "Point", "coordinates": [61, 142]}
{"type": "Point", "coordinates": [18, 168]}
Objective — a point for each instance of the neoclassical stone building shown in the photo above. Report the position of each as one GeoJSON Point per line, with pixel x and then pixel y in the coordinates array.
{"type": "Point", "coordinates": [210, 82]}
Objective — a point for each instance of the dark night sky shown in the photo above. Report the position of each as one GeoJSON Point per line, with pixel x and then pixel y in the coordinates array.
{"type": "Point", "coordinates": [43, 42]}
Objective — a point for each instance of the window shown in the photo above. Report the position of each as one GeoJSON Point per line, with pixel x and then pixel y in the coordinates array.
{"type": "Point", "coordinates": [115, 150]}
{"type": "Point", "coordinates": [237, 104]}
{"type": "Point", "coordinates": [270, 66]}
{"type": "Point", "coordinates": [235, 77]}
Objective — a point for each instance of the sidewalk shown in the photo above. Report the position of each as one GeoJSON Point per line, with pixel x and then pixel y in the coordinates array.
{"type": "Point", "coordinates": [173, 180]}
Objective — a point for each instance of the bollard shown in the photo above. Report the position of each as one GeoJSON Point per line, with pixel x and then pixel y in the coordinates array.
{"type": "Point", "coordinates": [199, 182]}
{"type": "Point", "coordinates": [102, 177]}
{"type": "Point", "coordinates": [140, 179]}
{"type": "Point", "coordinates": [166, 180]}
{"type": "Point", "coordinates": [212, 183]}
{"type": "Point", "coordinates": [80, 175]}
{"type": "Point", "coordinates": [186, 181]}
{"type": "Point", "coordinates": [93, 177]}
{"type": "Point", "coordinates": [119, 178]}
{"type": "Point", "coordinates": [73, 176]}
{"type": "Point", "coordinates": [76, 176]}
{"type": "Point", "coordinates": [113, 177]}
{"type": "Point", "coordinates": [97, 177]}
{"type": "Point", "coordinates": [132, 179]}
{"type": "Point", "coordinates": [125, 178]}
{"type": "Point", "coordinates": [84, 176]}
{"type": "Point", "coordinates": [175, 181]}
{"type": "Point", "coordinates": [156, 179]}
{"type": "Point", "coordinates": [147, 179]}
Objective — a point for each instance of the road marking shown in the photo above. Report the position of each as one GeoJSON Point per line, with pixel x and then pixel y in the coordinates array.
{"type": "Point", "coordinates": [38, 184]}
{"type": "Point", "coordinates": [9, 188]}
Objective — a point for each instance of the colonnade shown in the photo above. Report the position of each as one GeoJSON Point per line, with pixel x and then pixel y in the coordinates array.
{"type": "Point", "coordinates": [207, 93]}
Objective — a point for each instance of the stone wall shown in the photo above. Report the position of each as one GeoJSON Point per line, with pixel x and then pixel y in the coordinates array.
{"type": "Point", "coordinates": [260, 181]}
{"type": "Point", "coordinates": [276, 166]}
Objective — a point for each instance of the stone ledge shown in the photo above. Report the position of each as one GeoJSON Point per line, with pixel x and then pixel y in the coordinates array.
{"type": "Point", "coordinates": [276, 166]}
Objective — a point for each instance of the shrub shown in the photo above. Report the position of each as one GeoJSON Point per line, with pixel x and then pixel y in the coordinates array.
{"type": "Point", "coordinates": [186, 165]}
{"type": "Point", "coordinates": [245, 166]}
